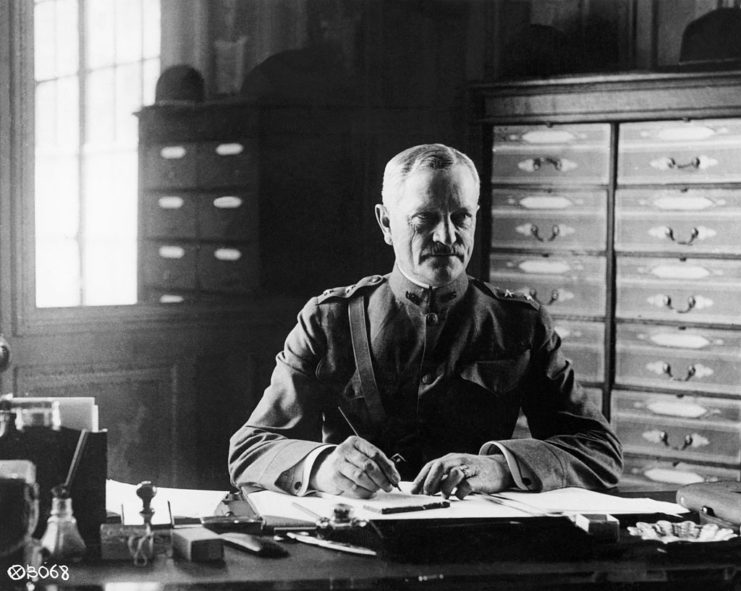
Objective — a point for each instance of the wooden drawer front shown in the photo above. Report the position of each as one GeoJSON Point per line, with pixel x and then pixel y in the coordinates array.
{"type": "Point", "coordinates": [224, 164]}
{"type": "Point", "coordinates": [573, 285]}
{"type": "Point", "coordinates": [686, 222]}
{"type": "Point", "coordinates": [522, 431]}
{"type": "Point", "coordinates": [583, 343]}
{"type": "Point", "coordinates": [170, 265]}
{"type": "Point", "coordinates": [647, 472]}
{"type": "Point", "coordinates": [522, 219]}
{"type": "Point", "coordinates": [698, 151]}
{"type": "Point", "coordinates": [560, 153]}
{"type": "Point", "coordinates": [689, 290]}
{"type": "Point", "coordinates": [228, 216]}
{"type": "Point", "coordinates": [169, 166]}
{"type": "Point", "coordinates": [677, 406]}
{"type": "Point", "coordinates": [170, 215]}
{"type": "Point", "coordinates": [709, 439]}
{"type": "Point", "coordinates": [679, 358]}
{"type": "Point", "coordinates": [228, 268]}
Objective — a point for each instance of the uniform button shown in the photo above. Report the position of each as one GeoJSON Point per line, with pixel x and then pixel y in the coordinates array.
{"type": "Point", "coordinates": [428, 378]}
{"type": "Point", "coordinates": [297, 485]}
{"type": "Point", "coordinates": [432, 319]}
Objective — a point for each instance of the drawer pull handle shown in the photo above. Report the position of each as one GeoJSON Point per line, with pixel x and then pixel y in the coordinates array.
{"type": "Point", "coordinates": [535, 231]}
{"type": "Point", "coordinates": [669, 233]}
{"type": "Point", "coordinates": [689, 440]}
{"type": "Point", "coordinates": [691, 303]}
{"type": "Point", "coordinates": [694, 163]}
{"type": "Point", "coordinates": [691, 371]}
{"type": "Point", "coordinates": [553, 299]}
{"type": "Point", "coordinates": [533, 164]}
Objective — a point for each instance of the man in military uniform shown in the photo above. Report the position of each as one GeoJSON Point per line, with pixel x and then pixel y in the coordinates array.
{"type": "Point", "coordinates": [422, 373]}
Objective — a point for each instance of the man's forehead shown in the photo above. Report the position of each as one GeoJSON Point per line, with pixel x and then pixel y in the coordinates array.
{"type": "Point", "coordinates": [432, 188]}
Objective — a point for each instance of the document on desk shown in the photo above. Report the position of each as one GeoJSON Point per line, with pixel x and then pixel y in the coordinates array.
{"type": "Point", "coordinates": [184, 502]}
{"type": "Point", "coordinates": [508, 504]}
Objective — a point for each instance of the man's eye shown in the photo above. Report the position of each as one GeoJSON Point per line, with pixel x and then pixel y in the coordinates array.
{"type": "Point", "coordinates": [423, 219]}
{"type": "Point", "coordinates": [462, 219]}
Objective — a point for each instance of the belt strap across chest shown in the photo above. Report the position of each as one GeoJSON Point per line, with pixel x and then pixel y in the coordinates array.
{"type": "Point", "coordinates": [362, 354]}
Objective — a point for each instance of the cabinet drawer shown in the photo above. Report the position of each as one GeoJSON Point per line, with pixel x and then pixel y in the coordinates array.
{"type": "Point", "coordinates": [169, 166]}
{"type": "Point", "coordinates": [522, 219]}
{"type": "Point", "coordinates": [170, 297]}
{"type": "Point", "coordinates": [573, 285]}
{"type": "Point", "coordinates": [677, 406]}
{"type": "Point", "coordinates": [577, 153]}
{"type": "Point", "coordinates": [697, 151]}
{"type": "Point", "coordinates": [711, 438]}
{"type": "Point", "coordinates": [228, 268]}
{"type": "Point", "coordinates": [224, 164]}
{"type": "Point", "coordinates": [651, 472]}
{"type": "Point", "coordinates": [522, 431]}
{"type": "Point", "coordinates": [687, 290]}
{"type": "Point", "coordinates": [169, 265]}
{"type": "Point", "coordinates": [683, 358]}
{"type": "Point", "coordinates": [683, 221]}
{"type": "Point", "coordinates": [228, 216]}
{"type": "Point", "coordinates": [170, 216]}
{"type": "Point", "coordinates": [583, 343]}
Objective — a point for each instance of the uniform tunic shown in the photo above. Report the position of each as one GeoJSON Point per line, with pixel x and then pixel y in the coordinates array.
{"type": "Point", "coordinates": [454, 366]}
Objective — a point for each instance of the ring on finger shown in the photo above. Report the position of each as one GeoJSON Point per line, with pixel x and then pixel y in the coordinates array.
{"type": "Point", "coordinates": [465, 469]}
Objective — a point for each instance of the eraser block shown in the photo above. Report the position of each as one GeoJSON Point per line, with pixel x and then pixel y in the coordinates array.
{"type": "Point", "coordinates": [197, 544]}
{"type": "Point", "coordinates": [600, 525]}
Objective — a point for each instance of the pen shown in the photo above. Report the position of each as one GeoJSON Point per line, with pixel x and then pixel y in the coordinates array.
{"type": "Point", "coordinates": [355, 432]}
{"type": "Point", "coordinates": [407, 508]}
{"type": "Point", "coordinates": [331, 544]}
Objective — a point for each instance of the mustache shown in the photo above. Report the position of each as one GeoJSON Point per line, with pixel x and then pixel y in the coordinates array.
{"type": "Point", "coordinates": [439, 249]}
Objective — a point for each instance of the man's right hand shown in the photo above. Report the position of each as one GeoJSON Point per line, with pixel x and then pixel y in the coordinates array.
{"type": "Point", "coordinates": [355, 468]}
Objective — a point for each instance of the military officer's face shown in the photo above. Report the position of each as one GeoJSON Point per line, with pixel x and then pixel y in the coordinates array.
{"type": "Point", "coordinates": [431, 224]}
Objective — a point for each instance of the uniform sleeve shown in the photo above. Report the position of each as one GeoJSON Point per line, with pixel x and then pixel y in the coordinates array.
{"type": "Point", "coordinates": [572, 444]}
{"type": "Point", "coordinates": [286, 425]}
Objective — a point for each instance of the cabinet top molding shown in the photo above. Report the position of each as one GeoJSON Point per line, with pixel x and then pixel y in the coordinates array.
{"type": "Point", "coordinates": [618, 97]}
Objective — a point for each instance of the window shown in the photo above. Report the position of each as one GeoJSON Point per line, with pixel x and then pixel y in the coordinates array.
{"type": "Point", "coordinates": [96, 62]}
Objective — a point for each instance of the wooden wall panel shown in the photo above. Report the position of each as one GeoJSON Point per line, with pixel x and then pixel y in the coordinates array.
{"type": "Point", "coordinates": [138, 407]}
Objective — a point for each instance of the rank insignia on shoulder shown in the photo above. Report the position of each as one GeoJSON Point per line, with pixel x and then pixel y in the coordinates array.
{"type": "Point", "coordinates": [346, 292]}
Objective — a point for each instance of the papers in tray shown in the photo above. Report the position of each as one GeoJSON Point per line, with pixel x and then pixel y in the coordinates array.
{"type": "Point", "coordinates": [506, 505]}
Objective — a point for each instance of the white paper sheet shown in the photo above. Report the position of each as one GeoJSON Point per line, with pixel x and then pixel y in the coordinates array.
{"type": "Point", "coordinates": [183, 501]}
{"type": "Point", "coordinates": [562, 501]}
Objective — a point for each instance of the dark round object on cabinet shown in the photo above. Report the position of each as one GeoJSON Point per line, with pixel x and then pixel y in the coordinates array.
{"type": "Point", "coordinates": [715, 36]}
{"type": "Point", "coordinates": [179, 84]}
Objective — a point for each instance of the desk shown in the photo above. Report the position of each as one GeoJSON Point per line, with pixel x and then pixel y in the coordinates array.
{"type": "Point", "coordinates": [310, 568]}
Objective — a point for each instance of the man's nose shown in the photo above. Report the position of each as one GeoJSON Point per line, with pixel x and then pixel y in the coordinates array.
{"type": "Point", "coordinates": [444, 231]}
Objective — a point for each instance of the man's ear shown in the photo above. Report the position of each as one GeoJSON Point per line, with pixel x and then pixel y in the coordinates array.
{"type": "Point", "coordinates": [382, 217]}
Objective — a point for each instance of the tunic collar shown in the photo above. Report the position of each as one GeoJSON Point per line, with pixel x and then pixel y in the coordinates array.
{"type": "Point", "coordinates": [433, 299]}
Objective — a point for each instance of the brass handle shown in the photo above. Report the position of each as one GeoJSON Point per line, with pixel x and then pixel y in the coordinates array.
{"type": "Point", "coordinates": [687, 441]}
{"type": "Point", "coordinates": [554, 297]}
{"type": "Point", "coordinates": [669, 232]}
{"type": "Point", "coordinates": [691, 371]}
{"type": "Point", "coordinates": [694, 163]}
{"type": "Point", "coordinates": [535, 231]}
{"type": "Point", "coordinates": [555, 162]}
{"type": "Point", "coordinates": [691, 303]}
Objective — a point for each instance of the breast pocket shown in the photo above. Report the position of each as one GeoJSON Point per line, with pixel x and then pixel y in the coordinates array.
{"type": "Point", "coordinates": [499, 376]}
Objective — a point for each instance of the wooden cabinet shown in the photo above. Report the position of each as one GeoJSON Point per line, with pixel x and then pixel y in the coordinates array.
{"type": "Point", "coordinates": [199, 205]}
{"type": "Point", "coordinates": [615, 202]}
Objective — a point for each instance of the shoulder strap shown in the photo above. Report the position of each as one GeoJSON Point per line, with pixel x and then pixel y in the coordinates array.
{"type": "Point", "coordinates": [361, 352]}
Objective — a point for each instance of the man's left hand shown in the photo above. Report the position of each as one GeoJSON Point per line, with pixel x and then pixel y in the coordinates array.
{"type": "Point", "coordinates": [462, 474]}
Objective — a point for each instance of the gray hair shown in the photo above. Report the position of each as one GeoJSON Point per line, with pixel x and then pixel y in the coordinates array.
{"type": "Point", "coordinates": [430, 156]}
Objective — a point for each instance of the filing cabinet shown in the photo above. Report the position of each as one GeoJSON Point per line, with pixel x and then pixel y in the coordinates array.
{"type": "Point", "coordinates": [615, 201]}
{"type": "Point", "coordinates": [199, 204]}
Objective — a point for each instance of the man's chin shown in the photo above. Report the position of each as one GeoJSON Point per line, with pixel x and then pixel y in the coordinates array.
{"type": "Point", "coordinates": [437, 276]}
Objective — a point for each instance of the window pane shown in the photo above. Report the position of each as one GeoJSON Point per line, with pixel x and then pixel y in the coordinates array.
{"type": "Point", "coordinates": [151, 73]}
{"type": "Point", "coordinates": [68, 112]}
{"type": "Point", "coordinates": [46, 125]}
{"type": "Point", "coordinates": [67, 41]}
{"type": "Point", "coordinates": [151, 28]}
{"type": "Point", "coordinates": [128, 31]}
{"type": "Point", "coordinates": [44, 40]}
{"type": "Point", "coordinates": [128, 92]}
{"type": "Point", "coordinates": [101, 105]}
{"type": "Point", "coordinates": [100, 33]}
{"type": "Point", "coordinates": [57, 273]}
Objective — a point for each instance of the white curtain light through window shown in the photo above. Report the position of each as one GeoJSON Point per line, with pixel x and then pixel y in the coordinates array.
{"type": "Point", "coordinates": [96, 63]}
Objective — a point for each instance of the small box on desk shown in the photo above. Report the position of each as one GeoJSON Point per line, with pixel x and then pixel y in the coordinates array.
{"type": "Point", "coordinates": [51, 451]}
{"type": "Point", "coordinates": [197, 544]}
